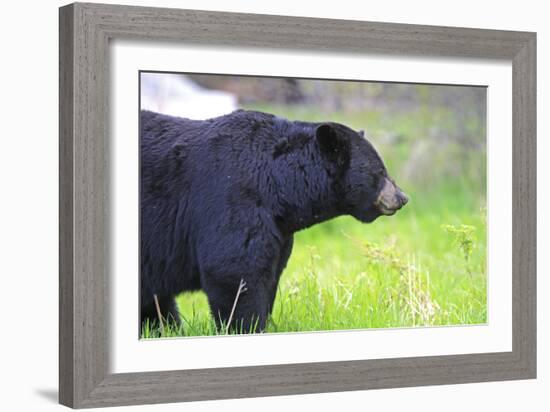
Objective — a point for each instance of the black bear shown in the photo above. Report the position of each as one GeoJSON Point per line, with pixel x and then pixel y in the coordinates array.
{"type": "Point", "coordinates": [221, 199]}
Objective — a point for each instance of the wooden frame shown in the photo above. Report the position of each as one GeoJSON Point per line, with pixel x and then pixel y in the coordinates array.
{"type": "Point", "coordinates": [85, 31]}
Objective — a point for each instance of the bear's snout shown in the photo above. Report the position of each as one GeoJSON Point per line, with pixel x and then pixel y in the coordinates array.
{"type": "Point", "coordinates": [391, 198]}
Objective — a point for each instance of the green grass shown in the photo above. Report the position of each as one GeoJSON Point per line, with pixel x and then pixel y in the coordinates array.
{"type": "Point", "coordinates": [407, 270]}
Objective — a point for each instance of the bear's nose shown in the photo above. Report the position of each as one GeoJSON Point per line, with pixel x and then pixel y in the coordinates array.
{"type": "Point", "coordinates": [403, 198]}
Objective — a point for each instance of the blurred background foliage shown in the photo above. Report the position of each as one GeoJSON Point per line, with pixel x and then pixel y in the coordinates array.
{"type": "Point", "coordinates": [433, 141]}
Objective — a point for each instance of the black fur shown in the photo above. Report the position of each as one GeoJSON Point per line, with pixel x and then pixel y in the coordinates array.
{"type": "Point", "coordinates": [221, 199]}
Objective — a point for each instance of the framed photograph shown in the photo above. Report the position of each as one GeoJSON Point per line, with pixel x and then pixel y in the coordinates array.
{"type": "Point", "coordinates": [256, 205]}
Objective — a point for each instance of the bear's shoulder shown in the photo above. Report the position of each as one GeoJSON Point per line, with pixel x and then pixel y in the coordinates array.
{"type": "Point", "coordinates": [246, 120]}
{"type": "Point", "coordinates": [255, 130]}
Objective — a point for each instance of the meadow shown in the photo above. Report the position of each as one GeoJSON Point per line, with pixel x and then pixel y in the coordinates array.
{"type": "Point", "coordinates": [424, 266]}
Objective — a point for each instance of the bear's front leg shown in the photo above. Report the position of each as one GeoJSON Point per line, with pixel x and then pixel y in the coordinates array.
{"type": "Point", "coordinates": [241, 305]}
{"type": "Point", "coordinates": [241, 245]}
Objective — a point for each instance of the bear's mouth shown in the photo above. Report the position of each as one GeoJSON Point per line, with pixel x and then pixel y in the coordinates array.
{"type": "Point", "coordinates": [390, 198]}
{"type": "Point", "coordinates": [386, 211]}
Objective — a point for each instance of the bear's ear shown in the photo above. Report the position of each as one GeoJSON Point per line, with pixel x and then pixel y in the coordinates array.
{"type": "Point", "coordinates": [334, 146]}
{"type": "Point", "coordinates": [362, 133]}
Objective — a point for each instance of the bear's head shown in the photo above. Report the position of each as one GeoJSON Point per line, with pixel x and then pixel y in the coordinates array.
{"type": "Point", "coordinates": [359, 177]}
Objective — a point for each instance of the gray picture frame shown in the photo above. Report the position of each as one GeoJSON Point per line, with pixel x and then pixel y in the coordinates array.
{"type": "Point", "coordinates": [85, 32]}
